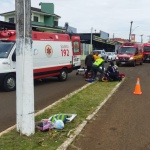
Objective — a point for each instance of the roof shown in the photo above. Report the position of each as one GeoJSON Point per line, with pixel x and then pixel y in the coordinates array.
{"type": "Point", "coordinates": [120, 40]}
{"type": "Point", "coordinates": [33, 9]}
{"type": "Point", "coordinates": [11, 26]}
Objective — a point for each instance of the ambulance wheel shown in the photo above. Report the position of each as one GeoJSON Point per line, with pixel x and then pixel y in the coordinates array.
{"type": "Point", "coordinates": [63, 75]}
{"type": "Point", "coordinates": [9, 83]}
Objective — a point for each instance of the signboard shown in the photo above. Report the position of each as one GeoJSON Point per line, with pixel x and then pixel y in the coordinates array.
{"type": "Point", "coordinates": [132, 37]}
{"type": "Point", "coordinates": [104, 35]}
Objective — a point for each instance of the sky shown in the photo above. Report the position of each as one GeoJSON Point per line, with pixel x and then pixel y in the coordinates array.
{"type": "Point", "coordinates": [111, 16]}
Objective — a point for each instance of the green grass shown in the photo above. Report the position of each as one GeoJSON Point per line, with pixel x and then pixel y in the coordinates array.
{"type": "Point", "coordinates": [83, 104]}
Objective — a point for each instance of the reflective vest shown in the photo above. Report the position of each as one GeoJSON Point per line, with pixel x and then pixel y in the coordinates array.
{"type": "Point", "coordinates": [98, 62]}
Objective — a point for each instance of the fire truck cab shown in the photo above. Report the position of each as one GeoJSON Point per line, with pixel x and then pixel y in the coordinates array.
{"type": "Point", "coordinates": [130, 53]}
{"type": "Point", "coordinates": [146, 52]}
{"type": "Point", "coordinates": [54, 55]}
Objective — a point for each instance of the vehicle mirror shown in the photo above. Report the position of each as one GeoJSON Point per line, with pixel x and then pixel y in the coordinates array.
{"type": "Point", "coordinates": [14, 57]}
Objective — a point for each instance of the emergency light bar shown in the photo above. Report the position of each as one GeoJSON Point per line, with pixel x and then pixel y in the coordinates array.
{"type": "Point", "coordinates": [128, 44]}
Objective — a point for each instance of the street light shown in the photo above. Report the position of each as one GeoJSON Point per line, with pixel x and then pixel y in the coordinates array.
{"type": "Point", "coordinates": [130, 30]}
{"type": "Point", "coordinates": [141, 38]}
{"type": "Point", "coordinates": [91, 34]}
{"type": "Point", "coordinates": [134, 29]}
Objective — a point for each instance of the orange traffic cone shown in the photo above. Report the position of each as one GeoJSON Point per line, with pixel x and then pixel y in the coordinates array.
{"type": "Point", "coordinates": [137, 87]}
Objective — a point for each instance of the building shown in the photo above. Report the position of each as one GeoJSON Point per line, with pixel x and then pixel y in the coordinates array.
{"type": "Point", "coordinates": [43, 19]}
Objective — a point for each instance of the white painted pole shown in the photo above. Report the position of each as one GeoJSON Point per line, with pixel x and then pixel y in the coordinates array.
{"type": "Point", "coordinates": [91, 38]}
{"type": "Point", "coordinates": [24, 69]}
{"type": "Point", "coordinates": [91, 35]}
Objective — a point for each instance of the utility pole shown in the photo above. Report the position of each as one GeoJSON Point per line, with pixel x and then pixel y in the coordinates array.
{"type": "Point", "coordinates": [130, 31]}
{"type": "Point", "coordinates": [141, 38]}
{"type": "Point", "coordinates": [91, 38]}
{"type": "Point", "coordinates": [113, 36]}
{"type": "Point", "coordinates": [149, 38]}
{"type": "Point", "coordinates": [24, 69]}
{"type": "Point", "coordinates": [91, 35]}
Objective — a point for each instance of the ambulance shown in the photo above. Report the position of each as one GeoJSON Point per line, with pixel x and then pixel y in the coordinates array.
{"type": "Point", "coordinates": [54, 55]}
{"type": "Point", "coordinates": [146, 52]}
{"type": "Point", "coordinates": [130, 53]}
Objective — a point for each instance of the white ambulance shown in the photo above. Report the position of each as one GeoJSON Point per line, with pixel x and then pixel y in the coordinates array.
{"type": "Point", "coordinates": [54, 55]}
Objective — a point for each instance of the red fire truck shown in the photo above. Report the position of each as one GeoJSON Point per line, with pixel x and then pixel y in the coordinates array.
{"type": "Point", "coordinates": [54, 55]}
{"type": "Point", "coordinates": [146, 52]}
{"type": "Point", "coordinates": [130, 53]}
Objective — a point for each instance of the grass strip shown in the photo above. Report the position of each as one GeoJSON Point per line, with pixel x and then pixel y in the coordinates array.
{"type": "Point", "coordinates": [82, 103]}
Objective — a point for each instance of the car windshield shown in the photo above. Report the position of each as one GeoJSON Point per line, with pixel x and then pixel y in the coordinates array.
{"type": "Point", "coordinates": [97, 51]}
{"type": "Point", "coordinates": [146, 48]}
{"type": "Point", "coordinates": [5, 48]}
{"type": "Point", "coordinates": [127, 50]}
{"type": "Point", "coordinates": [109, 53]}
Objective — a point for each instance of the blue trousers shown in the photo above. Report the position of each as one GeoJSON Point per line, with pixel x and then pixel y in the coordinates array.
{"type": "Point", "coordinates": [96, 69]}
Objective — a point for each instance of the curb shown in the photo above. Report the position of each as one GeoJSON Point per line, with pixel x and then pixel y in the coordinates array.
{"type": "Point", "coordinates": [76, 132]}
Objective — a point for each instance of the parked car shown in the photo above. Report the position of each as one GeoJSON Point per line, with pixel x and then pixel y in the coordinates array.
{"type": "Point", "coordinates": [102, 54]}
{"type": "Point", "coordinates": [111, 56]}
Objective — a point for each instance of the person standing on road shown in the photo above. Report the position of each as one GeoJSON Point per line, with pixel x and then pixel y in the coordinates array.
{"type": "Point", "coordinates": [98, 66]}
{"type": "Point", "coordinates": [88, 63]}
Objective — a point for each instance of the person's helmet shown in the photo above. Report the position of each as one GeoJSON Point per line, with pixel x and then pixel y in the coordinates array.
{"type": "Point", "coordinates": [111, 63]}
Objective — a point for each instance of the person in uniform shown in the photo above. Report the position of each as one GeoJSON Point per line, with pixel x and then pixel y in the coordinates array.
{"type": "Point", "coordinates": [98, 66]}
{"type": "Point", "coordinates": [112, 72]}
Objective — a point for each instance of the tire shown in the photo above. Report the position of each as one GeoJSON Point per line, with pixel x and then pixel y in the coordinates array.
{"type": "Point", "coordinates": [134, 64]}
{"type": "Point", "coordinates": [141, 63]}
{"type": "Point", "coordinates": [63, 75]}
{"type": "Point", "coordinates": [106, 60]}
{"type": "Point", "coordinates": [118, 64]}
{"type": "Point", "coordinates": [9, 83]}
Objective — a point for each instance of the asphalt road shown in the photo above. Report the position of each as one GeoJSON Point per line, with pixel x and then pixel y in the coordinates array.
{"type": "Point", "coordinates": [46, 92]}
{"type": "Point", "coordinates": [123, 123]}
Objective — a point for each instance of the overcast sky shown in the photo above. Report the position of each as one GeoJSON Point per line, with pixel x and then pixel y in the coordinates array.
{"type": "Point", "coordinates": [111, 16]}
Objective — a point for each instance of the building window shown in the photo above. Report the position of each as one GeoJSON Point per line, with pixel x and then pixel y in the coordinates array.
{"type": "Point", "coordinates": [11, 20]}
{"type": "Point", "coordinates": [55, 23]}
{"type": "Point", "coordinates": [36, 19]}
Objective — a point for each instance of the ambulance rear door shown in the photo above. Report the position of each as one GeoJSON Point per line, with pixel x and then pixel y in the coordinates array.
{"type": "Point", "coordinates": [76, 48]}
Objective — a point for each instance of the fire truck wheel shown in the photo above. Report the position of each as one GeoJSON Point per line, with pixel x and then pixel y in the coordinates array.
{"type": "Point", "coordinates": [63, 75]}
{"type": "Point", "coordinates": [9, 83]}
{"type": "Point", "coordinates": [141, 63]}
{"type": "Point", "coordinates": [134, 63]}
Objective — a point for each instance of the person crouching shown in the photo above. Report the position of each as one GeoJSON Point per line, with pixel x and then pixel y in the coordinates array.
{"type": "Point", "coordinates": [98, 66]}
{"type": "Point", "coordinates": [112, 72]}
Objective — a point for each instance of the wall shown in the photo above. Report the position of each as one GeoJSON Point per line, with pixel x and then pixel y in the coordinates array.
{"type": "Point", "coordinates": [86, 49]}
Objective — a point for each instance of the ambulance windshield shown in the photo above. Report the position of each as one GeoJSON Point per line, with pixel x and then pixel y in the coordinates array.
{"type": "Point", "coordinates": [127, 50]}
{"type": "Point", "coordinates": [5, 48]}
